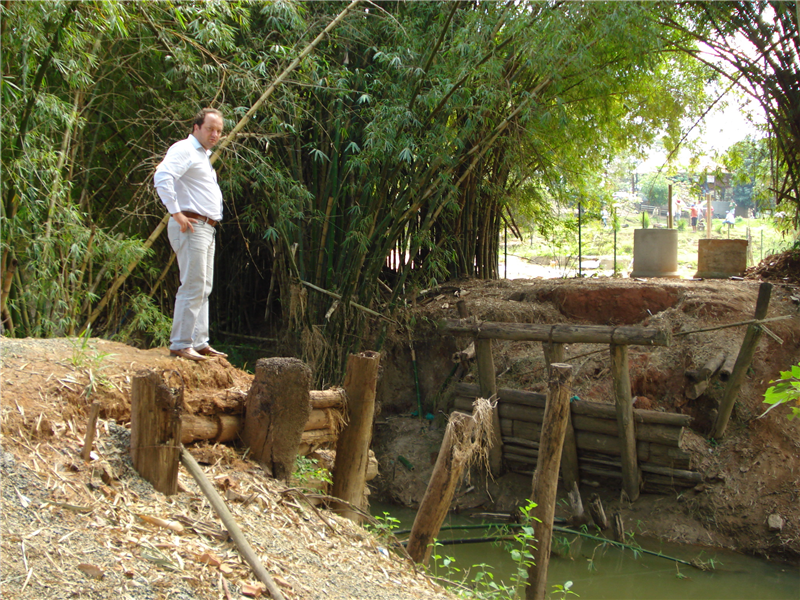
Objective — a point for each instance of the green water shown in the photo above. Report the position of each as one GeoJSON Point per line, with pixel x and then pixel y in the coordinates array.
{"type": "Point", "coordinates": [605, 572]}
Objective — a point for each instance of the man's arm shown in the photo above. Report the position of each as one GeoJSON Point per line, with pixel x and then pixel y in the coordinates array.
{"type": "Point", "coordinates": [174, 165]}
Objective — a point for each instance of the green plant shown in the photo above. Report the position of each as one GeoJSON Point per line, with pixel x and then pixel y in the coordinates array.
{"type": "Point", "coordinates": [784, 391]}
{"type": "Point", "coordinates": [308, 470]}
{"type": "Point", "coordinates": [562, 591]}
{"type": "Point", "coordinates": [645, 220]}
{"type": "Point", "coordinates": [682, 224]}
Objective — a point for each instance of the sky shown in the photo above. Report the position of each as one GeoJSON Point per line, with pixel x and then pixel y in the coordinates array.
{"type": "Point", "coordinates": [721, 128]}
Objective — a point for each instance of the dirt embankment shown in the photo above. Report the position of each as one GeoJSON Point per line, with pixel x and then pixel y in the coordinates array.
{"type": "Point", "coordinates": [748, 500]}
{"type": "Point", "coordinates": [98, 530]}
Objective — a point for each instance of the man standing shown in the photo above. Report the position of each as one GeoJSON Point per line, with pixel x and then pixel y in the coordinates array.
{"type": "Point", "coordinates": [187, 185]}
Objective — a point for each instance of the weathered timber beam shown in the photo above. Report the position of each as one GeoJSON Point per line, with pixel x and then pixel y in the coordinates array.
{"type": "Point", "coordinates": [561, 334]}
{"type": "Point", "coordinates": [587, 408]}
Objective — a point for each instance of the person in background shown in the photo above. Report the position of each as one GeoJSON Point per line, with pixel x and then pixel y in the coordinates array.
{"type": "Point", "coordinates": [187, 185]}
{"type": "Point", "coordinates": [693, 213]}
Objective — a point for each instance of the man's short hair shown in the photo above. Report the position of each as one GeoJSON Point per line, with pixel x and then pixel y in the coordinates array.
{"type": "Point", "coordinates": [200, 117]}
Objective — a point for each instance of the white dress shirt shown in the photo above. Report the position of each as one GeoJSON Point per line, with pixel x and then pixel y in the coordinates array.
{"type": "Point", "coordinates": [185, 180]}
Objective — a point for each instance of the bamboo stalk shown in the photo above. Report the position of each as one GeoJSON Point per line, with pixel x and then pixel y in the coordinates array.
{"type": "Point", "coordinates": [229, 521]}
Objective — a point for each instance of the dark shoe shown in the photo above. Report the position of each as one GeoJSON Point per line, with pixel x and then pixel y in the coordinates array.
{"type": "Point", "coordinates": [189, 354]}
{"type": "Point", "coordinates": [209, 352]}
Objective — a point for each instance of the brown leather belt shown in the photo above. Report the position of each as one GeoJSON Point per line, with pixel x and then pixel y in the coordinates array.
{"type": "Point", "coordinates": [202, 218]}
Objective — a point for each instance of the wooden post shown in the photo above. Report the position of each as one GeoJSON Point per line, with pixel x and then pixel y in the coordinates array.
{"type": "Point", "coordinates": [156, 431]}
{"type": "Point", "coordinates": [352, 448]}
{"type": "Point", "coordinates": [545, 479]}
{"type": "Point", "coordinates": [90, 431]}
{"type": "Point", "coordinates": [743, 361]}
{"type": "Point", "coordinates": [554, 353]}
{"type": "Point", "coordinates": [625, 423]}
{"type": "Point", "coordinates": [441, 488]}
{"type": "Point", "coordinates": [488, 387]}
{"type": "Point", "coordinates": [277, 409]}
{"type": "Point", "coordinates": [597, 511]}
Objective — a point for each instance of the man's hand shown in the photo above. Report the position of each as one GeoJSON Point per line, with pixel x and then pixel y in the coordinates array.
{"type": "Point", "coordinates": [184, 221]}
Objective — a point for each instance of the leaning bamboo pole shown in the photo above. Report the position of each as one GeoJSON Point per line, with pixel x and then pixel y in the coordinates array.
{"type": "Point", "coordinates": [466, 440]}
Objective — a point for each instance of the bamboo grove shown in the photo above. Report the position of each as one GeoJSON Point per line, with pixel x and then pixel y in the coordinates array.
{"type": "Point", "coordinates": [390, 160]}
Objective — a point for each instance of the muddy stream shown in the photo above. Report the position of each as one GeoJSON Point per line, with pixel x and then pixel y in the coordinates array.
{"type": "Point", "coordinates": [598, 571]}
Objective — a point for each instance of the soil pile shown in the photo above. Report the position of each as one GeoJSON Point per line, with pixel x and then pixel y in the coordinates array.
{"type": "Point", "coordinates": [97, 530]}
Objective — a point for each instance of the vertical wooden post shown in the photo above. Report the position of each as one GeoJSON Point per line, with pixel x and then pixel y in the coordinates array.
{"type": "Point", "coordinates": [278, 407]}
{"type": "Point", "coordinates": [545, 479]}
{"type": "Point", "coordinates": [488, 385]}
{"type": "Point", "coordinates": [554, 353]}
{"type": "Point", "coordinates": [441, 488]}
{"type": "Point", "coordinates": [625, 423]}
{"type": "Point", "coordinates": [91, 425]}
{"type": "Point", "coordinates": [352, 447]}
{"type": "Point", "coordinates": [156, 431]}
{"type": "Point", "coordinates": [743, 361]}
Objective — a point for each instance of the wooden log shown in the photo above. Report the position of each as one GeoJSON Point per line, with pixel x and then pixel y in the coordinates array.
{"type": "Point", "coordinates": [627, 434]}
{"type": "Point", "coordinates": [520, 458]}
{"type": "Point", "coordinates": [696, 389]}
{"type": "Point", "coordinates": [689, 477]}
{"type": "Point", "coordinates": [219, 506]}
{"type": "Point", "coordinates": [659, 434]}
{"type": "Point", "coordinates": [464, 355]}
{"type": "Point", "coordinates": [743, 361]}
{"type": "Point", "coordinates": [598, 512]}
{"type": "Point", "coordinates": [488, 389]}
{"type": "Point", "coordinates": [727, 367]}
{"type": "Point", "coordinates": [91, 426]}
{"type": "Point", "coordinates": [545, 480]}
{"type": "Point", "coordinates": [442, 486]}
{"type": "Point", "coordinates": [352, 447]}
{"type": "Point", "coordinates": [561, 334]}
{"type": "Point", "coordinates": [218, 428]}
{"type": "Point", "coordinates": [331, 398]}
{"type": "Point", "coordinates": [277, 410]}
{"type": "Point", "coordinates": [673, 482]}
{"type": "Point", "coordinates": [710, 368]}
{"type": "Point", "coordinates": [155, 431]}
{"type": "Point", "coordinates": [617, 526]}
{"type": "Point", "coordinates": [520, 450]}
{"type": "Point", "coordinates": [577, 515]}
{"type": "Point", "coordinates": [586, 408]}
{"type": "Point", "coordinates": [319, 418]}
{"type": "Point", "coordinates": [521, 442]}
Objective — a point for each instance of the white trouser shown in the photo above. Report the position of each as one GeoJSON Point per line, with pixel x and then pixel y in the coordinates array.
{"type": "Point", "coordinates": [195, 253]}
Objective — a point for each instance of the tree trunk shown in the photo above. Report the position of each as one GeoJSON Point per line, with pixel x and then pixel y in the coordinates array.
{"type": "Point", "coordinates": [352, 448]}
{"type": "Point", "coordinates": [277, 410]}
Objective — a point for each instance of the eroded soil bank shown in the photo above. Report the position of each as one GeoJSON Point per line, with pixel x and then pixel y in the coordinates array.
{"type": "Point", "coordinates": [749, 499]}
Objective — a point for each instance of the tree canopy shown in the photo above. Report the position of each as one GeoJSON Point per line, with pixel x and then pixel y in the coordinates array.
{"type": "Point", "coordinates": [390, 159]}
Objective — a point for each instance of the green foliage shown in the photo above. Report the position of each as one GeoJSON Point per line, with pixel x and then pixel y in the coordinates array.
{"type": "Point", "coordinates": [562, 591]}
{"type": "Point", "coordinates": [308, 470]}
{"type": "Point", "coordinates": [384, 526]}
{"type": "Point", "coordinates": [785, 390]}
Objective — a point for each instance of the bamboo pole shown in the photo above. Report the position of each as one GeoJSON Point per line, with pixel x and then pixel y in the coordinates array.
{"type": "Point", "coordinates": [627, 433]}
{"type": "Point", "coordinates": [545, 480]}
{"type": "Point", "coordinates": [563, 334]}
{"type": "Point", "coordinates": [488, 389]}
{"type": "Point", "coordinates": [352, 447]}
{"type": "Point", "coordinates": [228, 520]}
{"type": "Point", "coordinates": [743, 361]}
